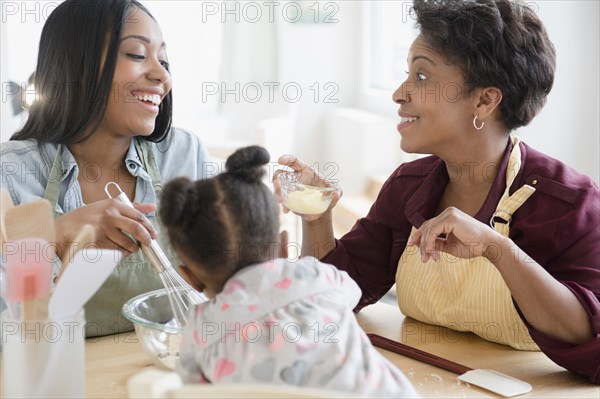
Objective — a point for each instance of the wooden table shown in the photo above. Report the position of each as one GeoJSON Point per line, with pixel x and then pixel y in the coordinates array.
{"type": "Point", "coordinates": [546, 378]}
{"type": "Point", "coordinates": [112, 360]}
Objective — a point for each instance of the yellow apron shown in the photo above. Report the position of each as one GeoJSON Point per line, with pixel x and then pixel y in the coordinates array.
{"type": "Point", "coordinates": [133, 275]}
{"type": "Point", "coordinates": [467, 294]}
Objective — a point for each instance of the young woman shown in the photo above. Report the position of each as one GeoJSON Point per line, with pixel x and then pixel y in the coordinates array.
{"type": "Point", "coordinates": [104, 114]}
{"type": "Point", "coordinates": [487, 235]}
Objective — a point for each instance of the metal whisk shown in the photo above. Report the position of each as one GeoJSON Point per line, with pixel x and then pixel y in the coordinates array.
{"type": "Point", "coordinates": [181, 295]}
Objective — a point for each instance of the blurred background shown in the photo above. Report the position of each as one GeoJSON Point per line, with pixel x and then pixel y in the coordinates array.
{"type": "Point", "coordinates": [315, 78]}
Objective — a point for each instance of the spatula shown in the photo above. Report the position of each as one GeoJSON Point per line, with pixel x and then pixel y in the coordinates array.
{"type": "Point", "coordinates": [81, 242]}
{"type": "Point", "coordinates": [28, 274]}
{"type": "Point", "coordinates": [5, 204]}
{"type": "Point", "coordinates": [80, 281]}
{"type": "Point", "coordinates": [491, 380]}
{"type": "Point", "coordinates": [34, 219]}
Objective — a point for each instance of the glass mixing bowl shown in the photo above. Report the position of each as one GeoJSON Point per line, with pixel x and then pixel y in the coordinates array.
{"type": "Point", "coordinates": [306, 199]}
{"type": "Point", "coordinates": [155, 326]}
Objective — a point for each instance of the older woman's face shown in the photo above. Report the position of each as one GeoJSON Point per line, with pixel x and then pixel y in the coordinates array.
{"type": "Point", "coordinates": [435, 108]}
{"type": "Point", "coordinates": [141, 80]}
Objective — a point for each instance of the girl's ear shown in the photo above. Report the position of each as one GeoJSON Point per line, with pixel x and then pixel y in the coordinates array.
{"type": "Point", "coordinates": [189, 276]}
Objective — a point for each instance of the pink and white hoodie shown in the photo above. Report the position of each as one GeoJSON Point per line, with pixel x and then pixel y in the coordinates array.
{"type": "Point", "coordinates": [287, 323]}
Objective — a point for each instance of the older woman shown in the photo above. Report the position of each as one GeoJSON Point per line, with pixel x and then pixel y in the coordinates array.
{"type": "Point", "coordinates": [487, 235]}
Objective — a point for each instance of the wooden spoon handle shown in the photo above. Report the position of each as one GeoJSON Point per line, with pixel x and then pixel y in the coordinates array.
{"type": "Point", "coordinates": [417, 354]}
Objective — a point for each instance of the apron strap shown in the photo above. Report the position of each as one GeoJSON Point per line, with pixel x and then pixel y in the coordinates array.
{"type": "Point", "coordinates": [146, 154]}
{"type": "Point", "coordinates": [508, 204]}
{"type": "Point", "coordinates": [52, 191]}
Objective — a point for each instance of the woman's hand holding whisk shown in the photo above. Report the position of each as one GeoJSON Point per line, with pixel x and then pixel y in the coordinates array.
{"type": "Point", "coordinates": [112, 220]}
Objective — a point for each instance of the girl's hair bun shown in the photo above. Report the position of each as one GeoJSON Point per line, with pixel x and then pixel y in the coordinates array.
{"type": "Point", "coordinates": [248, 163]}
{"type": "Point", "coordinates": [174, 198]}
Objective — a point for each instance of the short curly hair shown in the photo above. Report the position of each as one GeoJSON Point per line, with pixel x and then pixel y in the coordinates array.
{"type": "Point", "coordinates": [500, 43]}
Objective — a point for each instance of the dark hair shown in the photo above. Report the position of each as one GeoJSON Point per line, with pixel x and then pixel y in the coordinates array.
{"type": "Point", "coordinates": [73, 89]}
{"type": "Point", "coordinates": [500, 43]}
{"type": "Point", "coordinates": [225, 223]}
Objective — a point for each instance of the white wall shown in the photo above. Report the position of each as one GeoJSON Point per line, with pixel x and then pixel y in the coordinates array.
{"type": "Point", "coordinates": [326, 55]}
{"type": "Point", "coordinates": [22, 24]}
{"type": "Point", "coordinates": [5, 107]}
{"type": "Point", "coordinates": [568, 127]}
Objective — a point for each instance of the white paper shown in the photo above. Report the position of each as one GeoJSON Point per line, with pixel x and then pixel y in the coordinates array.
{"type": "Point", "coordinates": [82, 278]}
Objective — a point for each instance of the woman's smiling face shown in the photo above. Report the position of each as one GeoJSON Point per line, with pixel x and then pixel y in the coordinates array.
{"type": "Point", "coordinates": [435, 106]}
{"type": "Point", "coordinates": [141, 79]}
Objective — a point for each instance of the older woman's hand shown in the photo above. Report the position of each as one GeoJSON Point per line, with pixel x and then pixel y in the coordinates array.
{"type": "Point", "coordinates": [308, 176]}
{"type": "Point", "coordinates": [456, 233]}
{"type": "Point", "coordinates": [111, 220]}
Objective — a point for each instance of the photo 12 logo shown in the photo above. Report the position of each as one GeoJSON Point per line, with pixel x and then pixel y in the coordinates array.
{"type": "Point", "coordinates": [26, 11]}
{"type": "Point", "coordinates": [268, 332]}
{"type": "Point", "coordinates": [283, 11]}
{"type": "Point", "coordinates": [40, 11]}
{"type": "Point", "coordinates": [254, 92]}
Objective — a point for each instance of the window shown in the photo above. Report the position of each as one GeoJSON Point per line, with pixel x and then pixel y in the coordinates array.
{"type": "Point", "coordinates": [389, 30]}
{"type": "Point", "coordinates": [391, 34]}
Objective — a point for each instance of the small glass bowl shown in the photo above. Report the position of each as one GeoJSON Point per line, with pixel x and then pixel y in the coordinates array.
{"type": "Point", "coordinates": [155, 326]}
{"type": "Point", "coordinates": [305, 199]}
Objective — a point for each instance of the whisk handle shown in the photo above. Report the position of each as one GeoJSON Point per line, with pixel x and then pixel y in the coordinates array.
{"type": "Point", "coordinates": [153, 253]}
{"type": "Point", "coordinates": [156, 257]}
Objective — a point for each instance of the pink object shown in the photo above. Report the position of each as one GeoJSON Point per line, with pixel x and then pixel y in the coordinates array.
{"type": "Point", "coordinates": [28, 272]}
{"type": "Point", "coordinates": [276, 343]}
{"type": "Point", "coordinates": [233, 285]}
{"type": "Point", "coordinates": [284, 284]}
{"type": "Point", "coordinates": [223, 368]}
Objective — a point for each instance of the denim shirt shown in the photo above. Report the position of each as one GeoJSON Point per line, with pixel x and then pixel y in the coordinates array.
{"type": "Point", "coordinates": [25, 167]}
{"type": "Point", "coordinates": [26, 171]}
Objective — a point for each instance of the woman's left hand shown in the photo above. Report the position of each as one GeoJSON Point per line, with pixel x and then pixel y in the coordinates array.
{"type": "Point", "coordinates": [463, 236]}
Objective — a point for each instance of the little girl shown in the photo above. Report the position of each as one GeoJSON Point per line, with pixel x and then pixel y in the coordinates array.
{"type": "Point", "coordinates": [268, 320]}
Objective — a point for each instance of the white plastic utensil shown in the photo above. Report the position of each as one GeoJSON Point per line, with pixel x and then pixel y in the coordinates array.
{"type": "Point", "coordinates": [495, 381]}
{"type": "Point", "coordinates": [81, 242]}
{"type": "Point", "coordinates": [83, 277]}
{"type": "Point", "coordinates": [491, 380]}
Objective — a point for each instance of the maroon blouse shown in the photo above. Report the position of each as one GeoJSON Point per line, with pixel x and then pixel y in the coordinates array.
{"type": "Point", "coordinates": [558, 227]}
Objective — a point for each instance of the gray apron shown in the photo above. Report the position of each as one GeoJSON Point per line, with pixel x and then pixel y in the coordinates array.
{"type": "Point", "coordinates": [132, 276]}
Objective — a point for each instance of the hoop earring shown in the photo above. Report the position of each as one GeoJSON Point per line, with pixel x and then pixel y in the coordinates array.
{"type": "Point", "coordinates": [475, 123]}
